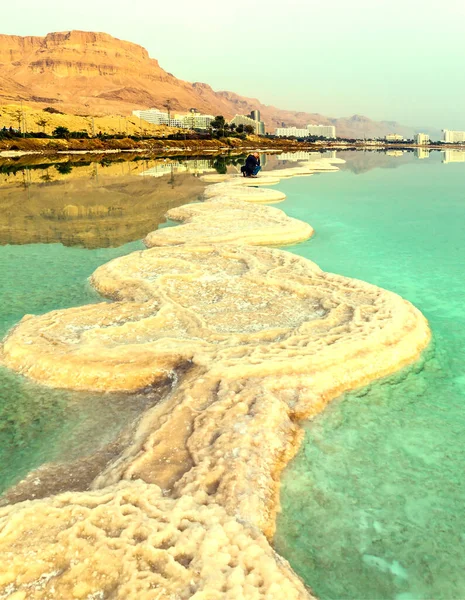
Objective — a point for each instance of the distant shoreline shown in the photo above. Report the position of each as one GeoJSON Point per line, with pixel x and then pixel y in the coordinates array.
{"type": "Point", "coordinates": [22, 146]}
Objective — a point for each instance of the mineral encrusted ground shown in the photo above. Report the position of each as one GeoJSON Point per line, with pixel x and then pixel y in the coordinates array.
{"type": "Point", "coordinates": [252, 339]}
{"type": "Point", "coordinates": [230, 221]}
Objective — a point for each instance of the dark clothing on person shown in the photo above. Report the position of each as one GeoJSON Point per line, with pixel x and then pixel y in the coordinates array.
{"type": "Point", "coordinates": [250, 167]}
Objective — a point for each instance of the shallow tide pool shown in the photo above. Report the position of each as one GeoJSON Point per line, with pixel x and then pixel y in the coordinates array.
{"type": "Point", "coordinates": [373, 504]}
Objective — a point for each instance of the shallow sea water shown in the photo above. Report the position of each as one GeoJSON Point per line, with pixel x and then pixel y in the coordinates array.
{"type": "Point", "coordinates": [40, 424]}
{"type": "Point", "coordinates": [373, 504]}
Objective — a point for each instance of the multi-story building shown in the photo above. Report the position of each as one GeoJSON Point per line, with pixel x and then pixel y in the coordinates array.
{"type": "Point", "coordinates": [326, 131]}
{"type": "Point", "coordinates": [453, 137]}
{"type": "Point", "coordinates": [192, 120]}
{"type": "Point", "coordinates": [195, 120]}
{"type": "Point", "coordinates": [157, 117]}
{"type": "Point", "coordinates": [394, 137]}
{"type": "Point", "coordinates": [259, 126]}
{"type": "Point", "coordinates": [291, 132]}
{"type": "Point", "coordinates": [255, 115]}
{"type": "Point", "coordinates": [422, 139]}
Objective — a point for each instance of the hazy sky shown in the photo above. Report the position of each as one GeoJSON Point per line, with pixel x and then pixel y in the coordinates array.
{"type": "Point", "coordinates": [388, 59]}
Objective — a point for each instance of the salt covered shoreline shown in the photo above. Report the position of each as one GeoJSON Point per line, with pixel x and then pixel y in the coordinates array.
{"type": "Point", "coordinates": [253, 339]}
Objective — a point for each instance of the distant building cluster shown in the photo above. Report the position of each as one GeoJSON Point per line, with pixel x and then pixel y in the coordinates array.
{"type": "Point", "coordinates": [253, 119]}
{"type": "Point", "coordinates": [394, 137]}
{"type": "Point", "coordinates": [453, 137]}
{"type": "Point", "coordinates": [326, 131]}
{"type": "Point", "coordinates": [192, 120]}
{"type": "Point", "coordinates": [196, 120]}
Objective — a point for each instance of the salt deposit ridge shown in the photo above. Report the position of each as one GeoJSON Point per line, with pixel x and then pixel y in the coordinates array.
{"type": "Point", "coordinates": [253, 340]}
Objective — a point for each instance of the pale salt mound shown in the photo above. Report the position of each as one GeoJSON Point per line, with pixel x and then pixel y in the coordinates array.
{"type": "Point", "coordinates": [229, 221]}
{"type": "Point", "coordinates": [246, 194]}
{"type": "Point", "coordinates": [292, 172]}
{"type": "Point", "coordinates": [238, 180]}
{"type": "Point", "coordinates": [272, 179]}
{"type": "Point", "coordinates": [256, 339]}
{"type": "Point", "coordinates": [129, 542]}
{"type": "Point", "coordinates": [235, 189]}
{"type": "Point", "coordinates": [202, 304]}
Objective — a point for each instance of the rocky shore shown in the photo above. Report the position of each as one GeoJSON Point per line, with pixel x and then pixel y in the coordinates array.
{"type": "Point", "coordinates": [248, 341]}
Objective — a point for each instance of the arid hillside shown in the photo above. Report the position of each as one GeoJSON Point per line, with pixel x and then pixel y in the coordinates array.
{"type": "Point", "coordinates": [90, 73]}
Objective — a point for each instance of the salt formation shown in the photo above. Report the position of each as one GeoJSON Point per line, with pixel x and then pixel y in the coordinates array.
{"type": "Point", "coordinates": [252, 340]}
{"type": "Point", "coordinates": [246, 194]}
{"type": "Point", "coordinates": [129, 542]}
{"type": "Point", "coordinates": [273, 338]}
{"type": "Point", "coordinates": [230, 221]}
{"type": "Point", "coordinates": [293, 172]}
{"type": "Point", "coordinates": [268, 178]}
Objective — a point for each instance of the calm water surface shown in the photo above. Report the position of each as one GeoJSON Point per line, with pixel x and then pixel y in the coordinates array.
{"type": "Point", "coordinates": [373, 505]}
{"type": "Point", "coordinates": [100, 210]}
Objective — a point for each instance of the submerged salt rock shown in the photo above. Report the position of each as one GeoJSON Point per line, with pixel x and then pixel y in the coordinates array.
{"type": "Point", "coordinates": [130, 542]}
{"type": "Point", "coordinates": [230, 221]}
{"type": "Point", "coordinates": [231, 309]}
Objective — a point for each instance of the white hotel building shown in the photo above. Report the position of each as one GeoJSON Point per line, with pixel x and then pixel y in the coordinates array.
{"type": "Point", "coordinates": [326, 131]}
{"type": "Point", "coordinates": [189, 121]}
{"type": "Point", "coordinates": [453, 137]}
{"type": "Point", "coordinates": [422, 139]}
{"type": "Point", "coordinates": [291, 132]}
{"type": "Point", "coordinates": [259, 126]}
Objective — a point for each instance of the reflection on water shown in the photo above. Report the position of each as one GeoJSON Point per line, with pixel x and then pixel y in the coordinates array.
{"type": "Point", "coordinates": [91, 205]}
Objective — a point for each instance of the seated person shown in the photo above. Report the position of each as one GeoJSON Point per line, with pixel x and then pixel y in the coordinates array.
{"type": "Point", "coordinates": [252, 165]}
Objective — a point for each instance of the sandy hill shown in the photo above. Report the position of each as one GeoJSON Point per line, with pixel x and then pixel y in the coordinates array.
{"type": "Point", "coordinates": [90, 73]}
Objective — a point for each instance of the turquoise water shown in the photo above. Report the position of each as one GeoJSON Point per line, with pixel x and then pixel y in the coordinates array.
{"type": "Point", "coordinates": [373, 504]}
{"type": "Point", "coordinates": [39, 424]}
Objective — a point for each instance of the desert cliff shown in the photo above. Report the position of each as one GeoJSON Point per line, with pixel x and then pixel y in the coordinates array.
{"type": "Point", "coordinates": [92, 73]}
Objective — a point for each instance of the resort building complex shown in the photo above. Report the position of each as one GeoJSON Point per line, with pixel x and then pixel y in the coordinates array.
{"type": "Point", "coordinates": [453, 137]}
{"type": "Point", "coordinates": [326, 131]}
{"type": "Point", "coordinates": [253, 120]}
{"type": "Point", "coordinates": [291, 132]}
{"type": "Point", "coordinates": [422, 139]}
{"type": "Point", "coordinates": [192, 120]}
